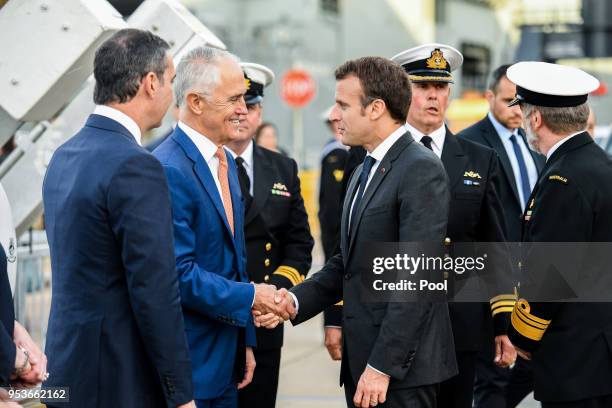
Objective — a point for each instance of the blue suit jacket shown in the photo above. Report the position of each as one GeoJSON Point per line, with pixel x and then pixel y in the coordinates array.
{"type": "Point", "coordinates": [116, 333]}
{"type": "Point", "coordinates": [215, 292]}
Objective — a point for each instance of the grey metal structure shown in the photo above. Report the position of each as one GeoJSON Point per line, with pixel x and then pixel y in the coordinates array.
{"type": "Point", "coordinates": [55, 119]}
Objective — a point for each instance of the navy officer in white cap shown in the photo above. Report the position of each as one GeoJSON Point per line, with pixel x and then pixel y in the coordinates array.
{"type": "Point", "coordinates": [476, 214]}
{"type": "Point", "coordinates": [276, 231]}
{"type": "Point", "coordinates": [570, 343]}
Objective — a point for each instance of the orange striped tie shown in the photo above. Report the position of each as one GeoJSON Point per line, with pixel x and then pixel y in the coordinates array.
{"type": "Point", "coordinates": [225, 190]}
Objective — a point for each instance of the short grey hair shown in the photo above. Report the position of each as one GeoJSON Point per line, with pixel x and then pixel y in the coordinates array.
{"type": "Point", "coordinates": [198, 71]}
{"type": "Point", "coordinates": [560, 120]}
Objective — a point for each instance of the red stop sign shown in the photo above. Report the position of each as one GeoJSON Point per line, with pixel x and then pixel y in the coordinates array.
{"type": "Point", "coordinates": [297, 88]}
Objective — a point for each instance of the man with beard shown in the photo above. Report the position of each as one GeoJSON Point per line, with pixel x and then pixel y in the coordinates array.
{"type": "Point", "coordinates": [500, 387]}
{"type": "Point", "coordinates": [475, 210]}
{"type": "Point", "coordinates": [572, 202]}
{"type": "Point", "coordinates": [277, 235]}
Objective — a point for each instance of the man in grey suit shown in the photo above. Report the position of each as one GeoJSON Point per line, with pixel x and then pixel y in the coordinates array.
{"type": "Point", "coordinates": [393, 352]}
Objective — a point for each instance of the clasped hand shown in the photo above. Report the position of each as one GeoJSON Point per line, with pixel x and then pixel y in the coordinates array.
{"type": "Point", "coordinates": [272, 307]}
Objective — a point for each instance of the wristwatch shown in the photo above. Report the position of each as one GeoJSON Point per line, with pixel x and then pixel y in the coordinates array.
{"type": "Point", "coordinates": [19, 370]}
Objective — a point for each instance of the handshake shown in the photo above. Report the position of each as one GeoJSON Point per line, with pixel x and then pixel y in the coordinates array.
{"type": "Point", "coordinates": [272, 307]}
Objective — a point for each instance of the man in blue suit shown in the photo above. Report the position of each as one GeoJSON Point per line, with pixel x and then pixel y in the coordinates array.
{"type": "Point", "coordinates": [208, 215]}
{"type": "Point", "coordinates": [116, 332]}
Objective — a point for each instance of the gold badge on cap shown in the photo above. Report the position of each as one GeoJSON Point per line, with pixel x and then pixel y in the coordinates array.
{"type": "Point", "coordinates": [247, 82]}
{"type": "Point", "coordinates": [437, 60]}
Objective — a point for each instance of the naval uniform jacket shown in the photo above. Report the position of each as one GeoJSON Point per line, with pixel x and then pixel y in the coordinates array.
{"type": "Point", "coordinates": [571, 342]}
{"type": "Point", "coordinates": [278, 240]}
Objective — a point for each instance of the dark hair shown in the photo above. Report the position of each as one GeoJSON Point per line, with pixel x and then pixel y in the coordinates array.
{"type": "Point", "coordinates": [261, 128]}
{"type": "Point", "coordinates": [123, 60]}
{"type": "Point", "coordinates": [383, 79]}
{"type": "Point", "coordinates": [497, 75]}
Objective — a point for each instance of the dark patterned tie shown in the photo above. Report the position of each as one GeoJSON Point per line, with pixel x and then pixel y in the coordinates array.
{"type": "Point", "coordinates": [245, 183]}
{"type": "Point", "coordinates": [426, 140]}
{"type": "Point", "coordinates": [368, 162]}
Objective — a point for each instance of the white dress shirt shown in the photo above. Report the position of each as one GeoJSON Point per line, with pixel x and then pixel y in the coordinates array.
{"type": "Point", "coordinates": [247, 156]}
{"type": "Point", "coordinates": [120, 117]}
{"type": "Point", "coordinates": [532, 172]}
{"type": "Point", "coordinates": [207, 149]}
{"type": "Point", "coordinates": [559, 143]}
{"type": "Point", "coordinates": [378, 154]}
{"type": "Point", "coordinates": [437, 136]}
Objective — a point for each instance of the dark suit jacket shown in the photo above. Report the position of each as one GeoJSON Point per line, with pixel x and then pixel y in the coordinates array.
{"type": "Point", "coordinates": [211, 263]}
{"type": "Point", "coordinates": [406, 201]}
{"type": "Point", "coordinates": [571, 203]}
{"type": "Point", "coordinates": [7, 320]}
{"type": "Point", "coordinates": [484, 133]}
{"type": "Point", "coordinates": [278, 240]}
{"type": "Point", "coordinates": [330, 195]}
{"type": "Point", "coordinates": [116, 333]}
{"type": "Point", "coordinates": [475, 215]}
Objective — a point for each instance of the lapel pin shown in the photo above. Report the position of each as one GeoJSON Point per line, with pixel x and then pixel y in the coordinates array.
{"type": "Point", "coordinates": [382, 169]}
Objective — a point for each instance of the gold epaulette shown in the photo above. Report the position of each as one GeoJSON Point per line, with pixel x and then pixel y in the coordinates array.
{"type": "Point", "coordinates": [502, 303]}
{"type": "Point", "coordinates": [526, 324]}
{"type": "Point", "coordinates": [290, 273]}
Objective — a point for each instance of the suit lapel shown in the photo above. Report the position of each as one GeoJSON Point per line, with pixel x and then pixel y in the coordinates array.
{"type": "Point", "coordinates": [384, 168]}
{"type": "Point", "coordinates": [495, 142]}
{"type": "Point", "coordinates": [202, 171]}
{"type": "Point", "coordinates": [263, 174]}
{"type": "Point", "coordinates": [453, 158]}
{"type": "Point", "coordinates": [346, 208]}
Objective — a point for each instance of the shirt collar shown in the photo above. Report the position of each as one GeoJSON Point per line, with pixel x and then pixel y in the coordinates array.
{"type": "Point", "coordinates": [559, 143]}
{"type": "Point", "coordinates": [381, 150]}
{"type": "Point", "coordinates": [437, 135]}
{"type": "Point", "coordinates": [247, 155]}
{"type": "Point", "coordinates": [501, 130]}
{"type": "Point", "coordinates": [206, 147]}
{"type": "Point", "coordinates": [123, 119]}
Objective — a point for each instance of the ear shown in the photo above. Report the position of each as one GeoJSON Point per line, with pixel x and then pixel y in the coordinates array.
{"type": "Point", "coordinates": [193, 103]}
{"type": "Point", "coordinates": [490, 97]}
{"type": "Point", "coordinates": [536, 120]}
{"type": "Point", "coordinates": [150, 84]}
{"type": "Point", "coordinates": [378, 108]}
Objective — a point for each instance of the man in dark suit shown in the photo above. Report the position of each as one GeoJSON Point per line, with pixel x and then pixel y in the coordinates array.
{"type": "Point", "coordinates": [475, 209]}
{"type": "Point", "coordinates": [333, 159]}
{"type": "Point", "coordinates": [571, 205]}
{"type": "Point", "coordinates": [208, 217]}
{"type": "Point", "coordinates": [116, 334]}
{"type": "Point", "coordinates": [277, 235]}
{"type": "Point", "coordinates": [394, 352]}
{"type": "Point", "coordinates": [500, 387]}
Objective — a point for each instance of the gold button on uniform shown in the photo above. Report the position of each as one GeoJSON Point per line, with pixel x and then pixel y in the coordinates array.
{"type": "Point", "coordinates": [447, 241]}
{"type": "Point", "coordinates": [267, 262]}
{"type": "Point", "coordinates": [268, 247]}
{"type": "Point", "coordinates": [266, 278]}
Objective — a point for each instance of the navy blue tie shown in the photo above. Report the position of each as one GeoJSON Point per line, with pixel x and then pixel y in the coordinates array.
{"type": "Point", "coordinates": [363, 179]}
{"type": "Point", "coordinates": [522, 168]}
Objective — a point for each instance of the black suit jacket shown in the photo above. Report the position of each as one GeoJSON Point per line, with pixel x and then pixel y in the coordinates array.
{"type": "Point", "coordinates": [330, 196]}
{"type": "Point", "coordinates": [277, 235]}
{"type": "Point", "coordinates": [571, 203]}
{"type": "Point", "coordinates": [476, 215]}
{"type": "Point", "coordinates": [484, 133]}
{"type": "Point", "coordinates": [406, 200]}
{"type": "Point", "coordinates": [7, 321]}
